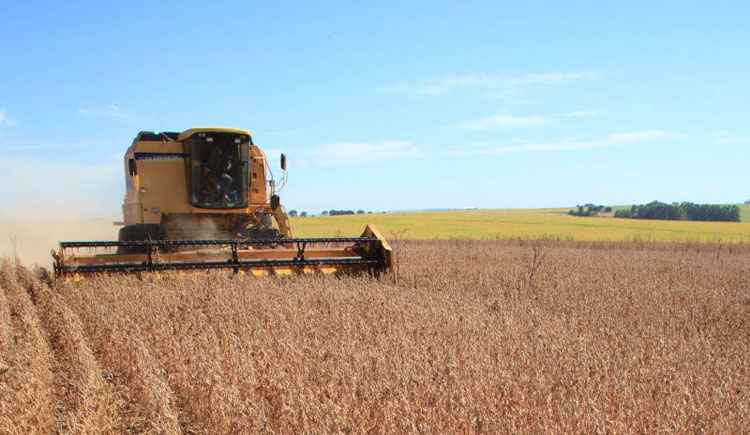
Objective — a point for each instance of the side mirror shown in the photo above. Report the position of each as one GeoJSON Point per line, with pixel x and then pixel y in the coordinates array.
{"type": "Point", "coordinates": [275, 202]}
{"type": "Point", "coordinates": [283, 162]}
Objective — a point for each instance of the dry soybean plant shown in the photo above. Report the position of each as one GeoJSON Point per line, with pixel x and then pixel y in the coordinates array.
{"type": "Point", "coordinates": [498, 336]}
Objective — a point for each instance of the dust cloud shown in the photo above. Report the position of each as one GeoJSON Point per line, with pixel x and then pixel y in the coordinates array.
{"type": "Point", "coordinates": [46, 199]}
{"type": "Point", "coordinates": [31, 240]}
{"type": "Point", "coordinates": [29, 231]}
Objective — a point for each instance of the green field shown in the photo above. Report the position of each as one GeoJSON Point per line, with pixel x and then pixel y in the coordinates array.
{"type": "Point", "coordinates": [503, 224]}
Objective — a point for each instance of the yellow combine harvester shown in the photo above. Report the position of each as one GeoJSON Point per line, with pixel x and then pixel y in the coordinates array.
{"type": "Point", "coordinates": [206, 199]}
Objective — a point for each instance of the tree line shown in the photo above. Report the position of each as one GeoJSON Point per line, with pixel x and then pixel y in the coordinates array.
{"type": "Point", "coordinates": [341, 212]}
{"type": "Point", "coordinates": [587, 210]}
{"type": "Point", "coordinates": [682, 211]}
{"type": "Point", "coordinates": [295, 213]}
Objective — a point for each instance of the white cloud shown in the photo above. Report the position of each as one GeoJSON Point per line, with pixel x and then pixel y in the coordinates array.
{"type": "Point", "coordinates": [344, 153]}
{"type": "Point", "coordinates": [441, 85]}
{"type": "Point", "coordinates": [512, 121]}
{"type": "Point", "coordinates": [582, 114]}
{"type": "Point", "coordinates": [554, 78]}
{"type": "Point", "coordinates": [733, 140]}
{"type": "Point", "coordinates": [639, 136]}
{"type": "Point", "coordinates": [612, 140]}
{"type": "Point", "coordinates": [5, 120]}
{"type": "Point", "coordinates": [495, 121]}
{"type": "Point", "coordinates": [110, 111]}
{"type": "Point", "coordinates": [436, 86]}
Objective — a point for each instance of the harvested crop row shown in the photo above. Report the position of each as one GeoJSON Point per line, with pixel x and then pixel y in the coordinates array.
{"type": "Point", "coordinates": [26, 385]}
{"type": "Point", "coordinates": [145, 401]}
{"type": "Point", "coordinates": [167, 339]}
{"type": "Point", "coordinates": [6, 340]}
{"type": "Point", "coordinates": [85, 401]}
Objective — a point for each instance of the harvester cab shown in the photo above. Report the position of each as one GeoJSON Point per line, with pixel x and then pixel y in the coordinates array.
{"type": "Point", "coordinates": [206, 198]}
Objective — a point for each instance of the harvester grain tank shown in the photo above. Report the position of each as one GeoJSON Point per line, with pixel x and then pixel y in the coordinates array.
{"type": "Point", "coordinates": [206, 199]}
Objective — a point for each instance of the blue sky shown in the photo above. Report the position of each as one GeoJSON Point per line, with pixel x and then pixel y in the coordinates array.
{"type": "Point", "coordinates": [387, 106]}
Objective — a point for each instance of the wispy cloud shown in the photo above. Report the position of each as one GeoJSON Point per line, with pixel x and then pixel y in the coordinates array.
{"type": "Point", "coordinates": [582, 114]}
{"type": "Point", "coordinates": [5, 120]}
{"type": "Point", "coordinates": [504, 120]}
{"type": "Point", "coordinates": [640, 136]}
{"type": "Point", "coordinates": [554, 78]}
{"type": "Point", "coordinates": [442, 85]}
{"type": "Point", "coordinates": [612, 140]}
{"type": "Point", "coordinates": [346, 153]}
{"type": "Point", "coordinates": [112, 111]}
{"type": "Point", "coordinates": [495, 121]}
{"type": "Point", "coordinates": [733, 140]}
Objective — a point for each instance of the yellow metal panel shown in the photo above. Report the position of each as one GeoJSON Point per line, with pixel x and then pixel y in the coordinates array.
{"type": "Point", "coordinates": [163, 188]}
{"type": "Point", "coordinates": [187, 133]}
{"type": "Point", "coordinates": [171, 147]}
{"type": "Point", "coordinates": [385, 250]}
{"type": "Point", "coordinates": [258, 181]}
{"type": "Point", "coordinates": [132, 213]}
{"type": "Point", "coordinates": [283, 271]}
{"type": "Point", "coordinates": [328, 270]}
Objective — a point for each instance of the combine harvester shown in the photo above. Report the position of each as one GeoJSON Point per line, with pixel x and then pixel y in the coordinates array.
{"type": "Point", "coordinates": [206, 199]}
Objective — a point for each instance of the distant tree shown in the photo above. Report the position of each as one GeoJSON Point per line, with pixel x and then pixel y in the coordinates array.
{"type": "Point", "coordinates": [623, 214]}
{"type": "Point", "coordinates": [303, 214]}
{"type": "Point", "coordinates": [684, 211]}
{"type": "Point", "coordinates": [747, 202]}
{"type": "Point", "coordinates": [589, 209]}
{"type": "Point", "coordinates": [340, 212]}
{"type": "Point", "coordinates": [325, 213]}
{"type": "Point", "coordinates": [293, 213]}
{"type": "Point", "coordinates": [360, 212]}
